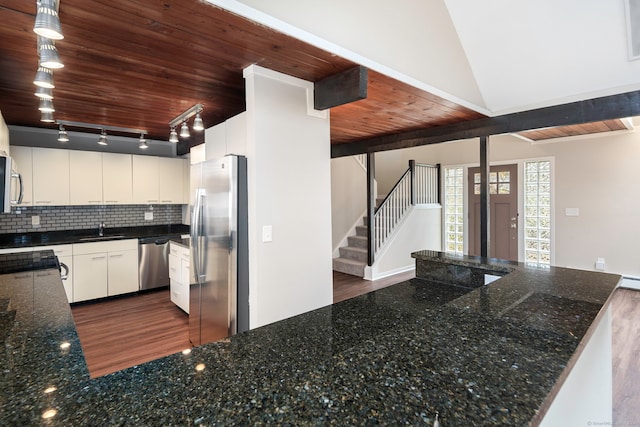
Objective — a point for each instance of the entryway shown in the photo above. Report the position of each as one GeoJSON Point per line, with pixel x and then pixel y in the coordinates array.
{"type": "Point", "coordinates": [503, 199]}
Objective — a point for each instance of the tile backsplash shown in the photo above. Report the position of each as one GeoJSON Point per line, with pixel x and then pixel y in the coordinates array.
{"type": "Point", "coordinates": [56, 218]}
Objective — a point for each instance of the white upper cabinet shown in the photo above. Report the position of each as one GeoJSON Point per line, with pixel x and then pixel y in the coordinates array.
{"type": "Point", "coordinates": [146, 189]}
{"type": "Point", "coordinates": [117, 179]}
{"type": "Point", "coordinates": [85, 177]}
{"type": "Point", "coordinates": [170, 172]}
{"type": "Point", "coordinates": [50, 177]}
{"type": "Point", "coordinates": [157, 180]}
{"type": "Point", "coordinates": [24, 159]}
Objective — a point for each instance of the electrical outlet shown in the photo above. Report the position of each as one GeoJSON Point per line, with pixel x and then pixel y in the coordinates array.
{"type": "Point", "coordinates": [600, 264]}
{"type": "Point", "coordinates": [35, 221]}
{"type": "Point", "coordinates": [267, 233]}
{"type": "Point", "coordinates": [572, 212]}
{"type": "Point", "coordinates": [148, 216]}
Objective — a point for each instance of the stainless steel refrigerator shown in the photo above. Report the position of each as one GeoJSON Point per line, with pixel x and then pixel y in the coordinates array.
{"type": "Point", "coordinates": [219, 298]}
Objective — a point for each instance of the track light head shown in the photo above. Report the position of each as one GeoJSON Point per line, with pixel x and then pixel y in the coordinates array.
{"type": "Point", "coordinates": [173, 135]}
{"type": "Point", "coordinates": [44, 78]}
{"type": "Point", "coordinates": [143, 142]}
{"type": "Point", "coordinates": [46, 117]}
{"type": "Point", "coordinates": [44, 93]}
{"type": "Point", "coordinates": [184, 130]}
{"type": "Point", "coordinates": [46, 106]}
{"type": "Point", "coordinates": [47, 20]}
{"type": "Point", "coordinates": [197, 123]}
{"type": "Point", "coordinates": [48, 53]}
{"type": "Point", "coordinates": [103, 138]}
{"type": "Point", "coordinates": [62, 135]}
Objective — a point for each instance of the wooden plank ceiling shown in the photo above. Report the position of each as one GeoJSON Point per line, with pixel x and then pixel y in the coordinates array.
{"type": "Point", "coordinates": [138, 64]}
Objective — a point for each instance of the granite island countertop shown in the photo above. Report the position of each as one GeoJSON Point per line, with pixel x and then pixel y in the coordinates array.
{"type": "Point", "coordinates": [477, 356]}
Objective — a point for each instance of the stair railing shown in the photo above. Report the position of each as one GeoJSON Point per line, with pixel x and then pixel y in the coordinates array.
{"type": "Point", "coordinates": [418, 185]}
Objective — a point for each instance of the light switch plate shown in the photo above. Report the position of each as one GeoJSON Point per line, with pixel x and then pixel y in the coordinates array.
{"type": "Point", "coordinates": [267, 233]}
{"type": "Point", "coordinates": [148, 216]}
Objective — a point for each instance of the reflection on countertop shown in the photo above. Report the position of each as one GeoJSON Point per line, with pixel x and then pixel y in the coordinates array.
{"type": "Point", "coordinates": [487, 355]}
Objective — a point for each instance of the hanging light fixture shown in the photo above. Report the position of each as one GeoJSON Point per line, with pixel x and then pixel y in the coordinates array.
{"type": "Point", "coordinates": [44, 93]}
{"type": "Point", "coordinates": [47, 20]}
{"type": "Point", "coordinates": [46, 106]}
{"type": "Point", "coordinates": [143, 142]}
{"type": "Point", "coordinates": [46, 117]}
{"type": "Point", "coordinates": [184, 130]}
{"type": "Point", "coordinates": [44, 78]}
{"type": "Point", "coordinates": [182, 118]}
{"type": "Point", "coordinates": [103, 138]}
{"type": "Point", "coordinates": [62, 135]}
{"type": "Point", "coordinates": [48, 54]}
{"type": "Point", "coordinates": [197, 123]}
{"type": "Point", "coordinates": [173, 135]}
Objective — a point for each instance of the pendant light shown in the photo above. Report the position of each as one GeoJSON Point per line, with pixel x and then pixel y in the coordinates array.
{"type": "Point", "coordinates": [184, 130]}
{"type": "Point", "coordinates": [44, 78]}
{"type": "Point", "coordinates": [143, 143]}
{"type": "Point", "coordinates": [47, 117]}
{"type": "Point", "coordinates": [197, 123]}
{"type": "Point", "coordinates": [62, 135]}
{"type": "Point", "coordinates": [46, 106]}
{"type": "Point", "coordinates": [48, 53]}
{"type": "Point", "coordinates": [44, 93]}
{"type": "Point", "coordinates": [47, 20]}
{"type": "Point", "coordinates": [103, 138]}
{"type": "Point", "coordinates": [173, 135]}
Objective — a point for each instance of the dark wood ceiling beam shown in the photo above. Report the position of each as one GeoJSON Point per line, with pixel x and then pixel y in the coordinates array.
{"type": "Point", "coordinates": [340, 88]}
{"type": "Point", "coordinates": [592, 110]}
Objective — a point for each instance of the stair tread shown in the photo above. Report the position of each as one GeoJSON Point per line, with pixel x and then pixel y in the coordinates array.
{"type": "Point", "coordinates": [350, 261]}
{"type": "Point", "coordinates": [354, 248]}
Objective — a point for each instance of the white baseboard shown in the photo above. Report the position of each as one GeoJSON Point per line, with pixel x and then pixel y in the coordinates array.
{"type": "Point", "coordinates": [371, 275]}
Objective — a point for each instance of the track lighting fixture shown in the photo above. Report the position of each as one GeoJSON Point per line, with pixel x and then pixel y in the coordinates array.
{"type": "Point", "coordinates": [47, 20]}
{"type": "Point", "coordinates": [103, 131]}
{"type": "Point", "coordinates": [62, 135]}
{"type": "Point", "coordinates": [44, 93]}
{"type": "Point", "coordinates": [44, 78]}
{"type": "Point", "coordinates": [197, 122]}
{"type": "Point", "coordinates": [46, 106]}
{"type": "Point", "coordinates": [184, 130]}
{"type": "Point", "coordinates": [143, 142]}
{"type": "Point", "coordinates": [198, 125]}
{"type": "Point", "coordinates": [173, 135]}
{"type": "Point", "coordinates": [103, 138]}
{"type": "Point", "coordinates": [46, 117]}
{"type": "Point", "coordinates": [48, 54]}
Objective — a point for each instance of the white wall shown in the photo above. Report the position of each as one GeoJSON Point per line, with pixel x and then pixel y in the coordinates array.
{"type": "Point", "coordinates": [596, 174]}
{"type": "Point", "coordinates": [419, 230]}
{"type": "Point", "coordinates": [348, 196]}
{"type": "Point", "coordinates": [289, 186]}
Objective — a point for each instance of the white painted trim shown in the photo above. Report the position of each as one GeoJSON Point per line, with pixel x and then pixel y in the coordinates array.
{"type": "Point", "coordinates": [370, 274]}
{"type": "Point", "coordinates": [293, 31]}
{"type": "Point", "coordinates": [578, 137]}
{"type": "Point", "coordinates": [257, 70]}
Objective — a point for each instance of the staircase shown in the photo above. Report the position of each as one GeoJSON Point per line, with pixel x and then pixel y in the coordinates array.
{"type": "Point", "coordinates": [353, 257]}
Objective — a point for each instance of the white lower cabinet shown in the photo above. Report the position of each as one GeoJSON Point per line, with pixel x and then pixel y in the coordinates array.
{"type": "Point", "coordinates": [104, 269]}
{"type": "Point", "coordinates": [179, 275]}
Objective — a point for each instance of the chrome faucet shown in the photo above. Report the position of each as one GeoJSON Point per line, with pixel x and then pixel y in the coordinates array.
{"type": "Point", "coordinates": [101, 229]}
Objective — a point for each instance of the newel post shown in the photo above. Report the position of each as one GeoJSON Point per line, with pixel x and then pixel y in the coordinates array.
{"type": "Point", "coordinates": [412, 172]}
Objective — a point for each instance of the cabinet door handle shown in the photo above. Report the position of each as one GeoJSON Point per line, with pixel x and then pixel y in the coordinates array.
{"type": "Point", "coordinates": [111, 201]}
{"type": "Point", "coordinates": [152, 201]}
{"type": "Point", "coordinates": [95, 201]}
{"type": "Point", "coordinates": [43, 201]}
{"type": "Point", "coordinates": [115, 256]}
{"type": "Point", "coordinates": [98, 257]}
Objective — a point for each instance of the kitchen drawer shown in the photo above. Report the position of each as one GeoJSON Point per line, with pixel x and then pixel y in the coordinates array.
{"type": "Point", "coordinates": [174, 268]}
{"type": "Point", "coordinates": [180, 295]}
{"type": "Point", "coordinates": [59, 250]}
{"type": "Point", "coordinates": [108, 246]}
{"type": "Point", "coordinates": [185, 271]}
{"type": "Point", "coordinates": [179, 250]}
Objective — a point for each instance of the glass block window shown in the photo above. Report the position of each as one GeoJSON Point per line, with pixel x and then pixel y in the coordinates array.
{"type": "Point", "coordinates": [537, 212]}
{"type": "Point", "coordinates": [454, 210]}
{"type": "Point", "coordinates": [499, 183]}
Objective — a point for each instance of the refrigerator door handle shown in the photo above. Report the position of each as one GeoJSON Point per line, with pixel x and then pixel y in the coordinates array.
{"type": "Point", "coordinates": [196, 232]}
{"type": "Point", "coordinates": [230, 241]}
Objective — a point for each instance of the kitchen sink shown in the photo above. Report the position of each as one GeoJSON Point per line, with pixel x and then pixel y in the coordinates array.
{"type": "Point", "coordinates": [98, 238]}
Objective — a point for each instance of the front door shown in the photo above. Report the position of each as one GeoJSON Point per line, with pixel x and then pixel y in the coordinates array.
{"type": "Point", "coordinates": [503, 198]}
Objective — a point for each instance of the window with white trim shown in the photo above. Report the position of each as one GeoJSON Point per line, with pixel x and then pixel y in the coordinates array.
{"type": "Point", "coordinates": [537, 212]}
{"type": "Point", "coordinates": [454, 210]}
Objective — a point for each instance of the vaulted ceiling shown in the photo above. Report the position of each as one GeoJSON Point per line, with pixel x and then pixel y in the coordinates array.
{"type": "Point", "coordinates": [140, 64]}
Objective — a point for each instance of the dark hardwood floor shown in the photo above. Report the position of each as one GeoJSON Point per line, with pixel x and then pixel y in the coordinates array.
{"type": "Point", "coordinates": [127, 331]}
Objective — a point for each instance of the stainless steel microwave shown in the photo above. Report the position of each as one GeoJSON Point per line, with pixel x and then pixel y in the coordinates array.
{"type": "Point", "coordinates": [11, 188]}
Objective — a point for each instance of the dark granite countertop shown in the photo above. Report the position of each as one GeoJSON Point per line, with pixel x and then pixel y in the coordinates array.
{"type": "Point", "coordinates": [478, 356]}
{"type": "Point", "coordinates": [19, 240]}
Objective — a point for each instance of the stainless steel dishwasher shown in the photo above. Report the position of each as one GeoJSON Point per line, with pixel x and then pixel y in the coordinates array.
{"type": "Point", "coordinates": [153, 262]}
